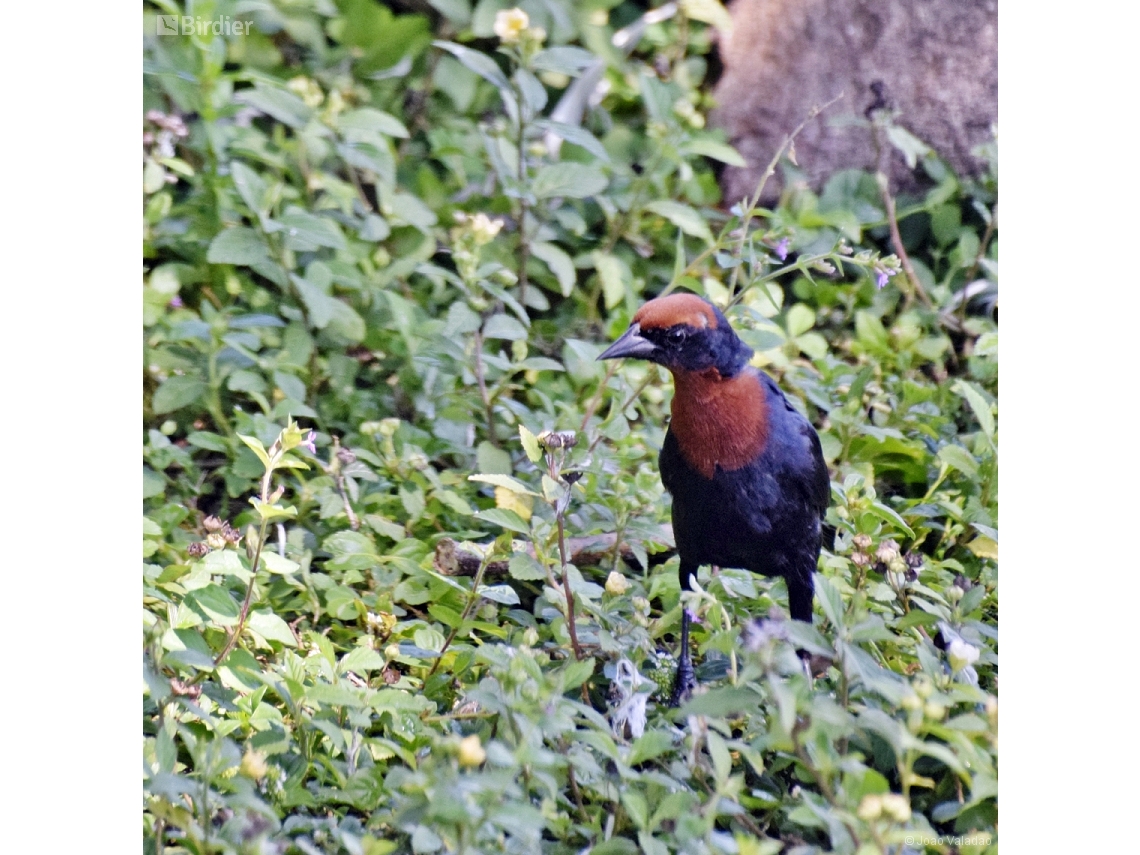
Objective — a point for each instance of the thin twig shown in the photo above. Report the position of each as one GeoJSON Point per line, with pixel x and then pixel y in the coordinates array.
{"type": "Point", "coordinates": [566, 589]}
{"type": "Point", "coordinates": [882, 178]}
{"type": "Point", "coordinates": [592, 406]}
{"type": "Point", "coordinates": [769, 171]}
{"type": "Point", "coordinates": [472, 599]}
{"type": "Point", "coordinates": [488, 408]}
{"type": "Point", "coordinates": [338, 479]}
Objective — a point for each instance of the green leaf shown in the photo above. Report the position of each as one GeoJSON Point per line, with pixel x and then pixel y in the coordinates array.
{"type": "Point", "coordinates": [362, 659]}
{"type": "Point", "coordinates": [491, 460]}
{"type": "Point", "coordinates": [283, 106]}
{"type": "Point", "coordinates": [306, 232]}
{"type": "Point", "coordinates": [478, 62]}
{"type": "Point", "coordinates": [830, 600]}
{"type": "Point", "coordinates": [372, 120]}
{"type": "Point", "coordinates": [960, 459]}
{"type": "Point", "coordinates": [325, 311]}
{"type": "Point", "coordinates": [615, 275]}
{"type": "Point", "coordinates": [269, 512]}
{"type": "Point", "coordinates": [274, 563]}
{"type": "Point", "coordinates": [503, 594]}
{"type": "Point", "coordinates": [502, 517]}
{"type": "Point", "coordinates": [576, 135]}
{"type": "Point", "coordinates": [799, 319]}
{"type": "Point", "coordinates": [560, 264]}
{"type": "Point", "coordinates": [652, 743]}
{"type": "Point", "coordinates": [978, 403]}
{"type": "Point", "coordinates": [564, 59]}
{"type": "Point", "coordinates": [890, 515]}
{"type": "Point", "coordinates": [177, 392]}
{"type": "Point", "coordinates": [716, 150]}
{"type": "Point", "coordinates": [575, 673]}
{"type": "Point", "coordinates": [525, 568]}
{"type": "Point", "coordinates": [505, 481]}
{"type": "Point", "coordinates": [250, 186]}
{"type": "Point", "coordinates": [503, 326]}
{"type": "Point", "coordinates": [530, 444]}
{"type": "Point", "coordinates": [257, 448]}
{"type": "Point", "coordinates": [216, 603]}
{"type": "Point", "coordinates": [240, 245]}
{"type": "Point", "coordinates": [683, 217]}
{"type": "Point", "coordinates": [572, 180]}
{"type": "Point", "coordinates": [272, 628]}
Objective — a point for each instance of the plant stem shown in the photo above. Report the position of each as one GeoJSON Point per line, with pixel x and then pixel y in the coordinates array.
{"type": "Point", "coordinates": [244, 613]}
{"type": "Point", "coordinates": [472, 599]}
{"type": "Point", "coordinates": [488, 407]}
{"type": "Point", "coordinates": [566, 589]}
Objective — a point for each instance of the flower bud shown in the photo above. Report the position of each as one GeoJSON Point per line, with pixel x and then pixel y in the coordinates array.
{"type": "Point", "coordinates": [392, 651]}
{"type": "Point", "coordinates": [888, 551]}
{"type": "Point", "coordinates": [861, 541]}
{"type": "Point", "coordinates": [471, 751]}
{"type": "Point", "coordinates": [871, 807]}
{"type": "Point", "coordinates": [896, 807]}
{"type": "Point", "coordinates": [510, 24]}
{"type": "Point", "coordinates": [616, 583]}
{"type": "Point", "coordinates": [961, 654]}
{"type": "Point", "coordinates": [934, 710]}
{"type": "Point", "coordinates": [253, 765]}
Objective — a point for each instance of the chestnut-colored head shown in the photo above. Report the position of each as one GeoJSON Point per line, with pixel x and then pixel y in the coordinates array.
{"type": "Point", "coordinates": [683, 333]}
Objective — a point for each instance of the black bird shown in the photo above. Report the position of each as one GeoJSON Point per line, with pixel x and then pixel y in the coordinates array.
{"type": "Point", "coordinates": [746, 471]}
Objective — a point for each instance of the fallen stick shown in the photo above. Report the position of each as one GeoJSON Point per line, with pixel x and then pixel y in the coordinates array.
{"type": "Point", "coordinates": [452, 560]}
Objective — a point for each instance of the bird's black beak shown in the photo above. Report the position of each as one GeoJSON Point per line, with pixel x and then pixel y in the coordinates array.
{"type": "Point", "coordinates": [630, 344]}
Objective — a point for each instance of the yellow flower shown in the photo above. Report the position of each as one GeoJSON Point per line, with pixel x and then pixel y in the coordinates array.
{"type": "Point", "coordinates": [253, 765]}
{"type": "Point", "coordinates": [484, 228]}
{"type": "Point", "coordinates": [871, 807]}
{"type": "Point", "coordinates": [471, 751]}
{"type": "Point", "coordinates": [510, 24]}
{"type": "Point", "coordinates": [616, 583]}
{"type": "Point", "coordinates": [896, 807]}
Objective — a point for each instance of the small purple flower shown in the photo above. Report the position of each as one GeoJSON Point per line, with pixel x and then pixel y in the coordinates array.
{"type": "Point", "coordinates": [882, 276]}
{"type": "Point", "coordinates": [781, 248]}
{"type": "Point", "coordinates": [175, 302]}
{"type": "Point", "coordinates": [309, 443]}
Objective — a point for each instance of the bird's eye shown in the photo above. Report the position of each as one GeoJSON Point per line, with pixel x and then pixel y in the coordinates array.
{"type": "Point", "coordinates": [677, 335]}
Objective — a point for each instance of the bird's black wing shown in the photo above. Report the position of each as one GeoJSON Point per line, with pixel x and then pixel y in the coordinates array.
{"type": "Point", "coordinates": [810, 465]}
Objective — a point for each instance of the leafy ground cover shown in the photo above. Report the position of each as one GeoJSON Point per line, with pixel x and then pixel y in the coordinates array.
{"type": "Point", "coordinates": [383, 246]}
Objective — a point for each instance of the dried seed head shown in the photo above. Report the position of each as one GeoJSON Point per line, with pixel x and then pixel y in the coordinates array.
{"type": "Point", "coordinates": [197, 549]}
{"type": "Point", "coordinates": [212, 523]}
{"type": "Point", "coordinates": [888, 551]}
{"type": "Point", "coordinates": [861, 541]}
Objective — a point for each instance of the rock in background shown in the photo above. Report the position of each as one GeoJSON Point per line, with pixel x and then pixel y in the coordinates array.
{"type": "Point", "coordinates": [936, 58]}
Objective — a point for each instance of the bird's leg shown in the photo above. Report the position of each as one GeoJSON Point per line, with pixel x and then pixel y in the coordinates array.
{"type": "Point", "coordinates": [686, 680]}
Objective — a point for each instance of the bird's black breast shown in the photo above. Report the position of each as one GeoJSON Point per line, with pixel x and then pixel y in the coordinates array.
{"type": "Point", "coordinates": [764, 516]}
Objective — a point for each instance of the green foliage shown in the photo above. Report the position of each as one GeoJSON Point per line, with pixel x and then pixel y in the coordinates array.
{"type": "Point", "coordinates": [412, 232]}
